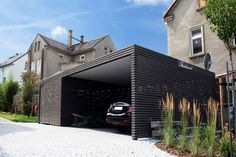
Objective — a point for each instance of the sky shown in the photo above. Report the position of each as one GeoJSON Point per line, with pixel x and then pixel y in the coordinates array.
{"type": "Point", "coordinates": [126, 21]}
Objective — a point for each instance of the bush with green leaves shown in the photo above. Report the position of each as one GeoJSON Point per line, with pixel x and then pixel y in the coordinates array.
{"type": "Point", "coordinates": [30, 86]}
{"type": "Point", "coordinates": [224, 143]}
{"type": "Point", "coordinates": [9, 88]}
{"type": "Point", "coordinates": [168, 113]}
{"type": "Point", "coordinates": [2, 97]}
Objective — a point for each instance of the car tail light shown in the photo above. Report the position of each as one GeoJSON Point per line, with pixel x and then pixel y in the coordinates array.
{"type": "Point", "coordinates": [126, 121]}
{"type": "Point", "coordinates": [130, 109]}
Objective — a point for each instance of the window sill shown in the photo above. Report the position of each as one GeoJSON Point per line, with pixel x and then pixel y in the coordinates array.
{"type": "Point", "coordinates": [197, 55]}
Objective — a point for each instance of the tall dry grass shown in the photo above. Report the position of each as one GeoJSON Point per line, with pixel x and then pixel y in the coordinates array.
{"type": "Point", "coordinates": [168, 113]}
{"type": "Point", "coordinates": [195, 141]}
{"type": "Point", "coordinates": [184, 107]}
{"type": "Point", "coordinates": [210, 130]}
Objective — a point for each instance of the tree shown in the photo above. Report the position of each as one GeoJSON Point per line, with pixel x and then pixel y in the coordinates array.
{"type": "Point", "coordinates": [222, 16]}
{"type": "Point", "coordinates": [11, 88]}
{"type": "Point", "coordinates": [8, 89]}
{"type": "Point", "coordinates": [2, 97]}
{"type": "Point", "coordinates": [29, 89]}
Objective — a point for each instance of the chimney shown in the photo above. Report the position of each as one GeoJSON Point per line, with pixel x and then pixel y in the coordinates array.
{"type": "Point", "coordinates": [81, 39]}
{"type": "Point", "coordinates": [70, 38]}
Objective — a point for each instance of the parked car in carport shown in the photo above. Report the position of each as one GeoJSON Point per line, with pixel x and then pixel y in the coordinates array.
{"type": "Point", "coordinates": [119, 115]}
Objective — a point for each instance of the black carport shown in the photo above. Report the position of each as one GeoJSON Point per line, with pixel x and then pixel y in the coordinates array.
{"type": "Point", "coordinates": [134, 74]}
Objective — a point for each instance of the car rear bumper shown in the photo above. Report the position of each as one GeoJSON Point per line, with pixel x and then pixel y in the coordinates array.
{"type": "Point", "coordinates": [119, 121]}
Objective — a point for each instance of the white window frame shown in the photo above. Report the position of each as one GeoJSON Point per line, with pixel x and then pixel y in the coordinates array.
{"type": "Point", "coordinates": [202, 40]}
{"type": "Point", "coordinates": [33, 66]}
{"type": "Point", "coordinates": [82, 57]}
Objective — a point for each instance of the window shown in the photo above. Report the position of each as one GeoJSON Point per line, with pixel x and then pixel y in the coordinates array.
{"type": "Point", "coordinates": [82, 57]}
{"type": "Point", "coordinates": [33, 66]}
{"type": "Point", "coordinates": [197, 45]}
{"type": "Point", "coordinates": [35, 47]}
{"type": "Point", "coordinates": [38, 67]}
{"type": "Point", "coordinates": [38, 45]}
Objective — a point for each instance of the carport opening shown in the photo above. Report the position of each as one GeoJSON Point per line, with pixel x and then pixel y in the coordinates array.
{"type": "Point", "coordinates": [88, 94]}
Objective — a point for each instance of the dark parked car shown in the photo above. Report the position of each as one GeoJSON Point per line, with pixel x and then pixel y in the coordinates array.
{"type": "Point", "coordinates": [119, 114]}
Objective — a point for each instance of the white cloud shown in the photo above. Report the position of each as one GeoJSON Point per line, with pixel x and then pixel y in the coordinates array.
{"type": "Point", "coordinates": [58, 31]}
{"type": "Point", "coordinates": [149, 2]}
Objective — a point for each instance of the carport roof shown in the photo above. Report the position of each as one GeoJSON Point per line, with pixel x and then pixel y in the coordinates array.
{"type": "Point", "coordinates": [99, 64]}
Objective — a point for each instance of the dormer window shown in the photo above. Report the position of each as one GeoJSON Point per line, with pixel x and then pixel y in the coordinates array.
{"type": "Point", "coordinates": [197, 42]}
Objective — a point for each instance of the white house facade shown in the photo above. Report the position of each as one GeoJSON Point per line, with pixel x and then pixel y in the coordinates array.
{"type": "Point", "coordinates": [14, 67]}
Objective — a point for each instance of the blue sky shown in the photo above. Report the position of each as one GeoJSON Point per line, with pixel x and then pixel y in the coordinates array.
{"type": "Point", "coordinates": [126, 21]}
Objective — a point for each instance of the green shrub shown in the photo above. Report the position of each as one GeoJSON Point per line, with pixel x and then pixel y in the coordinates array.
{"type": "Point", "coordinates": [8, 89]}
{"type": "Point", "coordinates": [29, 89]}
{"type": "Point", "coordinates": [2, 97]}
{"type": "Point", "coordinates": [11, 89]}
{"type": "Point", "coordinates": [168, 113]}
{"type": "Point", "coordinates": [224, 144]}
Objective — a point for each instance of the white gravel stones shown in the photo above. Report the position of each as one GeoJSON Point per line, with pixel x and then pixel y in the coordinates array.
{"type": "Point", "coordinates": [31, 140]}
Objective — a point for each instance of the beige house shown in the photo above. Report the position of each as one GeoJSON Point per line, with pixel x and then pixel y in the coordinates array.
{"type": "Point", "coordinates": [190, 37]}
{"type": "Point", "coordinates": [47, 56]}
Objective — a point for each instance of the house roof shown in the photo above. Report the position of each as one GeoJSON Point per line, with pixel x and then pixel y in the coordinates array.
{"type": "Point", "coordinates": [170, 8]}
{"type": "Point", "coordinates": [12, 59]}
{"type": "Point", "coordinates": [55, 43]}
{"type": "Point", "coordinates": [87, 45]}
{"type": "Point", "coordinates": [76, 48]}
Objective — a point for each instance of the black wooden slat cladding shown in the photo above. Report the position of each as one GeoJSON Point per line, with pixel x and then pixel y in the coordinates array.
{"type": "Point", "coordinates": [50, 105]}
{"type": "Point", "coordinates": [50, 100]}
{"type": "Point", "coordinates": [153, 75]}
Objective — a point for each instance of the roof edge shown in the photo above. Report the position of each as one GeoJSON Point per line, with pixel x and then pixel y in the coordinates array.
{"type": "Point", "coordinates": [170, 9]}
{"type": "Point", "coordinates": [22, 55]}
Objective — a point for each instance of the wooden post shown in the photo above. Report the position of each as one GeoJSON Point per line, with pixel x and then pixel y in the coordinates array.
{"type": "Point", "coordinates": [221, 81]}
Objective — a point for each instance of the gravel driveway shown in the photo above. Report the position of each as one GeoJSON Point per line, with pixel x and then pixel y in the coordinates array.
{"type": "Point", "coordinates": [32, 139]}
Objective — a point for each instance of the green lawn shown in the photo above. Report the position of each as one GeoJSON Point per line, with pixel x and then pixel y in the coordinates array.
{"type": "Point", "coordinates": [18, 117]}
